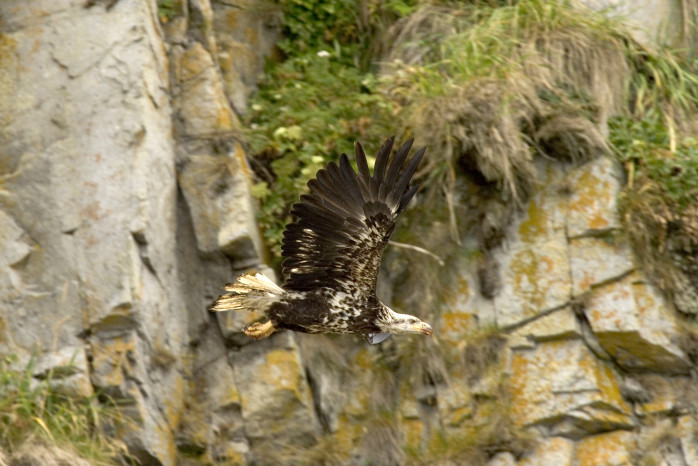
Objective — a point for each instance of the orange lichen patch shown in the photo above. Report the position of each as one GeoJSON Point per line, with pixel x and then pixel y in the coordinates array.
{"type": "Point", "coordinates": [455, 326]}
{"type": "Point", "coordinates": [457, 416]}
{"type": "Point", "coordinates": [596, 260]}
{"type": "Point", "coordinates": [92, 210]}
{"type": "Point", "coordinates": [615, 295]}
{"type": "Point", "coordinates": [194, 61]}
{"type": "Point", "coordinates": [459, 293]}
{"type": "Point", "coordinates": [611, 448]}
{"type": "Point", "coordinates": [239, 155]}
{"type": "Point", "coordinates": [559, 377]}
{"type": "Point", "coordinates": [557, 451]}
{"type": "Point", "coordinates": [647, 300]}
{"type": "Point", "coordinates": [111, 360]}
{"type": "Point", "coordinates": [225, 454]}
{"type": "Point", "coordinates": [457, 297]}
{"type": "Point", "coordinates": [606, 383]}
{"type": "Point", "coordinates": [634, 324]}
{"type": "Point", "coordinates": [517, 386]}
{"type": "Point", "coordinates": [592, 197]}
{"type": "Point", "coordinates": [545, 212]}
{"type": "Point", "coordinates": [537, 279]}
{"type": "Point", "coordinates": [224, 119]}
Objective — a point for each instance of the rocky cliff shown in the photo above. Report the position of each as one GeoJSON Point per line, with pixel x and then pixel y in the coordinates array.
{"type": "Point", "coordinates": [125, 205]}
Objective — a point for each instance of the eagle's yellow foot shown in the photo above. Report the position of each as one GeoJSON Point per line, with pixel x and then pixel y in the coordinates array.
{"type": "Point", "coordinates": [257, 331]}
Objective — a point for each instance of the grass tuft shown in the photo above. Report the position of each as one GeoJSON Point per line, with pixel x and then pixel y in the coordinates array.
{"type": "Point", "coordinates": [506, 83]}
{"type": "Point", "coordinates": [32, 409]}
{"type": "Point", "coordinates": [658, 205]}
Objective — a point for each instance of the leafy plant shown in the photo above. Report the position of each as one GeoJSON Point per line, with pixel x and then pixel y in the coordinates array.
{"type": "Point", "coordinates": [166, 10]}
{"type": "Point", "coordinates": [645, 147]}
{"type": "Point", "coordinates": [313, 106]}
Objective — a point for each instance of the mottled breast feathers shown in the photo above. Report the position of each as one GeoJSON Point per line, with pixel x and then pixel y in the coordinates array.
{"type": "Point", "coordinates": [345, 222]}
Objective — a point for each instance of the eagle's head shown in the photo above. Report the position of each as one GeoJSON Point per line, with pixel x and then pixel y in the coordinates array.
{"type": "Point", "coordinates": [396, 323]}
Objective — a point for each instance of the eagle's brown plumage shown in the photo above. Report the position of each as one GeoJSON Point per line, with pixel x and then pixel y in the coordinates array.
{"type": "Point", "coordinates": [332, 252]}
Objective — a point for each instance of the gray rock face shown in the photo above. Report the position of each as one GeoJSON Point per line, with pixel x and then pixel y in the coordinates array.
{"type": "Point", "coordinates": [125, 205]}
{"type": "Point", "coordinates": [90, 187]}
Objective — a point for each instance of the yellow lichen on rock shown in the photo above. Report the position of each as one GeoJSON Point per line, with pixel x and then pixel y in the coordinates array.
{"type": "Point", "coordinates": [557, 451]}
{"type": "Point", "coordinates": [454, 327]}
{"type": "Point", "coordinates": [204, 107]}
{"type": "Point", "coordinates": [283, 371]}
{"type": "Point", "coordinates": [634, 324]}
{"type": "Point", "coordinates": [608, 449]}
{"type": "Point", "coordinates": [561, 380]}
{"type": "Point", "coordinates": [592, 204]}
{"type": "Point", "coordinates": [537, 280]}
{"type": "Point", "coordinates": [111, 360]}
{"type": "Point", "coordinates": [560, 324]}
{"type": "Point", "coordinates": [414, 432]}
{"type": "Point", "coordinates": [8, 83]}
{"type": "Point", "coordinates": [534, 228]}
{"type": "Point", "coordinates": [587, 253]}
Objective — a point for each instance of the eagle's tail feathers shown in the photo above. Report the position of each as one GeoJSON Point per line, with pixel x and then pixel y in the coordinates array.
{"type": "Point", "coordinates": [257, 282]}
{"type": "Point", "coordinates": [249, 293]}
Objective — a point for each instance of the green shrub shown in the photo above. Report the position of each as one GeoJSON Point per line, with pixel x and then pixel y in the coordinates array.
{"type": "Point", "coordinates": [317, 102]}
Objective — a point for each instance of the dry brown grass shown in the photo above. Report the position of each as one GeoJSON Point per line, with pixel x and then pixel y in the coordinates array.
{"type": "Point", "coordinates": [499, 89]}
{"type": "Point", "coordinates": [666, 238]}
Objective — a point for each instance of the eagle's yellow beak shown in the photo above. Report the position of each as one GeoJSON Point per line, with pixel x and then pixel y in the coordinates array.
{"type": "Point", "coordinates": [422, 327]}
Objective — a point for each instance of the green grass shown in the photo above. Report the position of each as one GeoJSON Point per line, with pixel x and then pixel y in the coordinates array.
{"type": "Point", "coordinates": [32, 408]}
{"type": "Point", "coordinates": [647, 148]}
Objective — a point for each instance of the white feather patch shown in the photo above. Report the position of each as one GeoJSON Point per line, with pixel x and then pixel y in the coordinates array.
{"type": "Point", "coordinates": [249, 293]}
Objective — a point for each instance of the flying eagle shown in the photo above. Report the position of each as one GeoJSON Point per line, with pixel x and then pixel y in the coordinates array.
{"type": "Point", "coordinates": [332, 252]}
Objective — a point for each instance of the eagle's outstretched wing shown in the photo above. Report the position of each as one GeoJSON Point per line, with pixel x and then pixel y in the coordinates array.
{"type": "Point", "coordinates": [343, 225]}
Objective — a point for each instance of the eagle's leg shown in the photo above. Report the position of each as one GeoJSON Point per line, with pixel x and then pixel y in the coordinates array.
{"type": "Point", "coordinates": [257, 331]}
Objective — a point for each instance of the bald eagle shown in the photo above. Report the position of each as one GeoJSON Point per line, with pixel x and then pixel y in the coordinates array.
{"type": "Point", "coordinates": [332, 252]}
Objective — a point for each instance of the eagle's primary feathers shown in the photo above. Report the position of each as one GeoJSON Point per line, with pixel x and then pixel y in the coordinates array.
{"type": "Point", "coordinates": [332, 252]}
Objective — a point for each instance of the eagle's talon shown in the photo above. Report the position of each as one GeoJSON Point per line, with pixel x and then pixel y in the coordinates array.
{"type": "Point", "coordinates": [258, 331]}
